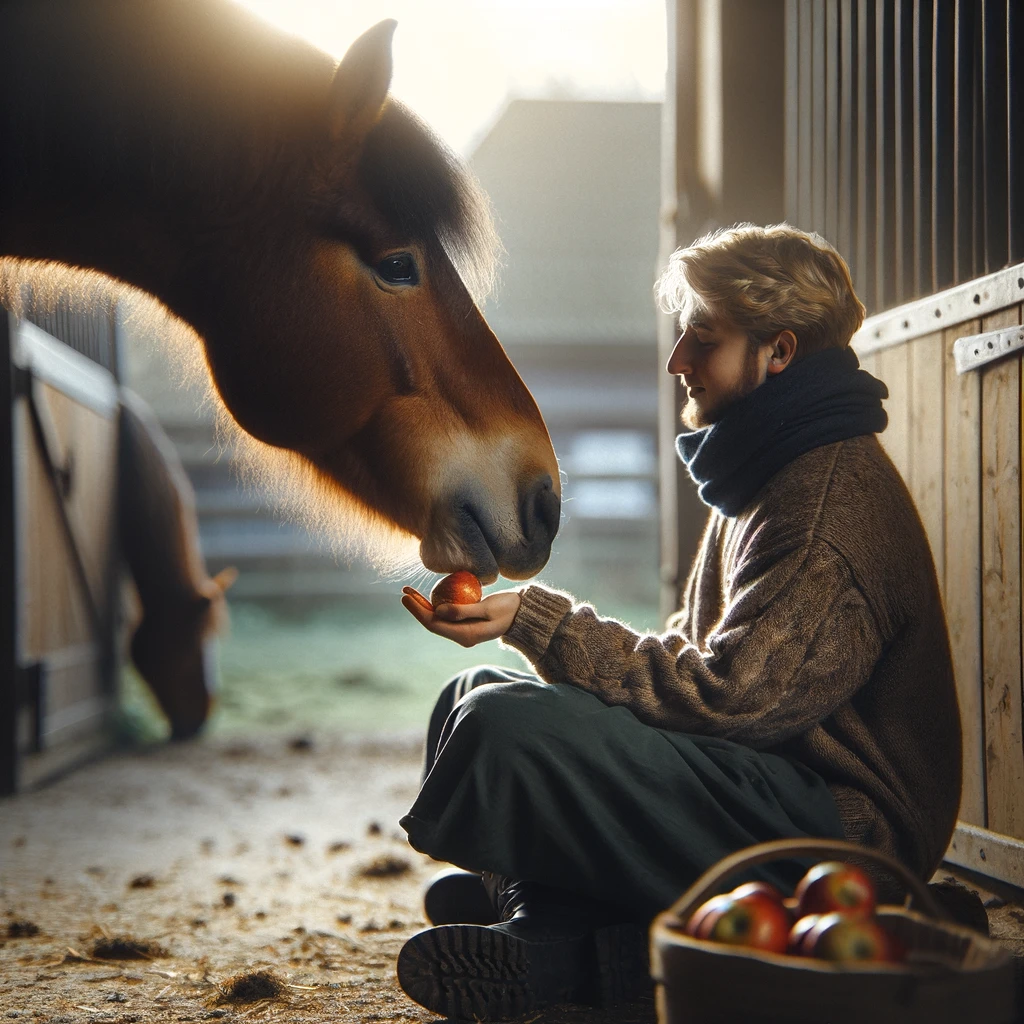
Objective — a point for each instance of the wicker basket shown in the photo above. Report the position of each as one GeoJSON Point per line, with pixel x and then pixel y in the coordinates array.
{"type": "Point", "coordinates": [952, 974]}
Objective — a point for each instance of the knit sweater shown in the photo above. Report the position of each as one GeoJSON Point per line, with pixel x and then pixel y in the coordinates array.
{"type": "Point", "coordinates": [811, 626]}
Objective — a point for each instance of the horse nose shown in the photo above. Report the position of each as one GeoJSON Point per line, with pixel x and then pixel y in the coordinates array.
{"type": "Point", "coordinates": [539, 512]}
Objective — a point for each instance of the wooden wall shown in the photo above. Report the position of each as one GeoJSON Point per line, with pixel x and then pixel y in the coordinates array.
{"type": "Point", "coordinates": [957, 441]}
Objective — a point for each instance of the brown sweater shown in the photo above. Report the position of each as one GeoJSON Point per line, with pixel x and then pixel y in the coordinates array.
{"type": "Point", "coordinates": [811, 626]}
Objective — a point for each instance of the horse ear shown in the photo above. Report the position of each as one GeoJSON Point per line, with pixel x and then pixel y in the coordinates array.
{"type": "Point", "coordinates": [361, 84]}
{"type": "Point", "coordinates": [226, 577]}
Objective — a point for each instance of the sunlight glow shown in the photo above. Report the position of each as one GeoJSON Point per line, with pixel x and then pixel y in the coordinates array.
{"type": "Point", "coordinates": [458, 61]}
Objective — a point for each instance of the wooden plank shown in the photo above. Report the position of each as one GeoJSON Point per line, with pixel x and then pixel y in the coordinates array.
{"type": "Point", "coordinates": [53, 612]}
{"type": "Point", "coordinates": [962, 564]}
{"type": "Point", "coordinates": [869, 363]}
{"type": "Point", "coordinates": [927, 395]}
{"type": "Point", "coordinates": [894, 370]}
{"type": "Point", "coordinates": [1001, 587]}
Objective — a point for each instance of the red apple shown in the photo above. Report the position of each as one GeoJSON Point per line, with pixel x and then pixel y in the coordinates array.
{"type": "Point", "coordinates": [764, 888]}
{"type": "Point", "coordinates": [843, 938]}
{"type": "Point", "coordinates": [799, 932]}
{"type": "Point", "coordinates": [458, 588]}
{"type": "Point", "coordinates": [831, 887]}
{"type": "Point", "coordinates": [707, 907]}
{"type": "Point", "coordinates": [754, 920]}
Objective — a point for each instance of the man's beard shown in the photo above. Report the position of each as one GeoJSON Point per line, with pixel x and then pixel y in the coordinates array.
{"type": "Point", "coordinates": [694, 417]}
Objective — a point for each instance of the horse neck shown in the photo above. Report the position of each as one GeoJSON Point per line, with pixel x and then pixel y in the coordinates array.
{"type": "Point", "coordinates": [156, 133]}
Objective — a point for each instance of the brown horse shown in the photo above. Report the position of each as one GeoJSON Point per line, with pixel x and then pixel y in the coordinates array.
{"type": "Point", "coordinates": [183, 608]}
{"type": "Point", "coordinates": [313, 232]}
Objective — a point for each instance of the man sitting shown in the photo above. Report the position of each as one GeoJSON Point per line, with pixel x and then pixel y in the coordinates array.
{"type": "Point", "coordinates": [786, 697]}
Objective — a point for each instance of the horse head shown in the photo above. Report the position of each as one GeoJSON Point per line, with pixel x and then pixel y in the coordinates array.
{"type": "Point", "coordinates": [338, 325]}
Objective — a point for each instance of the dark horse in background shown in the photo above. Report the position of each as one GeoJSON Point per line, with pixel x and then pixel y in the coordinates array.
{"type": "Point", "coordinates": [314, 234]}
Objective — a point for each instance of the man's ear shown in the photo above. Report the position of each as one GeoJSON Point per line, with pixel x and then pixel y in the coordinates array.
{"type": "Point", "coordinates": [361, 85]}
{"type": "Point", "coordinates": [783, 350]}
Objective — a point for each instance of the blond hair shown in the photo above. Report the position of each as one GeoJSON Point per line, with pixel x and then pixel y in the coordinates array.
{"type": "Point", "coordinates": [764, 280]}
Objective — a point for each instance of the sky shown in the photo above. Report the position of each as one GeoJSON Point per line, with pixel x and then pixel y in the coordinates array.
{"type": "Point", "coordinates": [456, 62]}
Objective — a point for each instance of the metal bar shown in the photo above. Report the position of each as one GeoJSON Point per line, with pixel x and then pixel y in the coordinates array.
{"type": "Point", "coordinates": [995, 129]}
{"type": "Point", "coordinates": [805, 179]}
{"type": "Point", "coordinates": [963, 142]}
{"type": "Point", "coordinates": [922, 183]}
{"type": "Point", "coordinates": [947, 308]}
{"type": "Point", "coordinates": [1014, 131]}
{"type": "Point", "coordinates": [943, 136]}
{"type": "Point", "coordinates": [818, 123]}
{"type": "Point", "coordinates": [832, 80]}
{"type": "Point", "coordinates": [884, 156]}
{"type": "Point", "coordinates": [792, 57]}
{"type": "Point", "coordinates": [973, 351]}
{"type": "Point", "coordinates": [864, 278]}
{"type": "Point", "coordinates": [847, 106]}
{"type": "Point", "coordinates": [904, 285]}
{"type": "Point", "coordinates": [988, 853]}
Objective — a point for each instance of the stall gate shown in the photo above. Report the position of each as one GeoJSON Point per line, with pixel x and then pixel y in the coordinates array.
{"type": "Point", "coordinates": [952, 363]}
{"type": "Point", "coordinates": [58, 555]}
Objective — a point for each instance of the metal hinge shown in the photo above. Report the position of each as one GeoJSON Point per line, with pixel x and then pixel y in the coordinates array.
{"type": "Point", "coordinates": [978, 349]}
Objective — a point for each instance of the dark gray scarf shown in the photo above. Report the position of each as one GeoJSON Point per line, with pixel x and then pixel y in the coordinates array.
{"type": "Point", "coordinates": [817, 401]}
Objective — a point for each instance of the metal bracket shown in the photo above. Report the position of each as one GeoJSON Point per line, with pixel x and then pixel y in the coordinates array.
{"type": "Point", "coordinates": [978, 349]}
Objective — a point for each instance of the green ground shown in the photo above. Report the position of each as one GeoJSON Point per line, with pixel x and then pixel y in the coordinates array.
{"type": "Point", "coordinates": [339, 665]}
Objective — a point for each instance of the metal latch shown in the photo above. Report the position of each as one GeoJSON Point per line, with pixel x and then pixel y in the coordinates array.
{"type": "Point", "coordinates": [978, 349]}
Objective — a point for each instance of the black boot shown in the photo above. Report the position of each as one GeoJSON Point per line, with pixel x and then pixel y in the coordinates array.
{"type": "Point", "coordinates": [550, 947]}
{"type": "Point", "coordinates": [454, 896]}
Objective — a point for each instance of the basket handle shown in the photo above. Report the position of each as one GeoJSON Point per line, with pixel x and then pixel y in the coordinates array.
{"type": "Point", "coordinates": [776, 849]}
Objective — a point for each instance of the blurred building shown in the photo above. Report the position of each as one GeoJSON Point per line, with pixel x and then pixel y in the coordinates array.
{"type": "Point", "coordinates": [575, 191]}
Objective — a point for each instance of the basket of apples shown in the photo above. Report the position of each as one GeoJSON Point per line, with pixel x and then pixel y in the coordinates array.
{"type": "Point", "coordinates": [826, 953]}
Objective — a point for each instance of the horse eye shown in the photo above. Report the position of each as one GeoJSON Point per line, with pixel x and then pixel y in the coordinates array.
{"type": "Point", "coordinates": [400, 269]}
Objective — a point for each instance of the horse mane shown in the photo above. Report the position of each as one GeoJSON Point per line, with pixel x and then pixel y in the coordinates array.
{"type": "Point", "coordinates": [429, 192]}
{"type": "Point", "coordinates": [293, 487]}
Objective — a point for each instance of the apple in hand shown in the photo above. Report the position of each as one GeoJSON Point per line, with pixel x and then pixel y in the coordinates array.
{"type": "Point", "coordinates": [457, 588]}
{"type": "Point", "coordinates": [832, 886]}
{"type": "Point", "coordinates": [753, 920]}
{"type": "Point", "coordinates": [840, 937]}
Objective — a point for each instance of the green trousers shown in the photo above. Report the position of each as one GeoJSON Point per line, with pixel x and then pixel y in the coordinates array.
{"type": "Point", "coordinates": [546, 783]}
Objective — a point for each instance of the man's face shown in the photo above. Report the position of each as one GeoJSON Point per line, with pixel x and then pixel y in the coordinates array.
{"type": "Point", "coordinates": [718, 366]}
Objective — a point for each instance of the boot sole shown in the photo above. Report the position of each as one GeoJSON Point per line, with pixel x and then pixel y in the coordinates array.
{"type": "Point", "coordinates": [475, 973]}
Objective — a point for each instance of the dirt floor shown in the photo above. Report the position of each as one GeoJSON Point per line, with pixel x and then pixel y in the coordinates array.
{"type": "Point", "coordinates": [219, 859]}
{"type": "Point", "coordinates": [263, 880]}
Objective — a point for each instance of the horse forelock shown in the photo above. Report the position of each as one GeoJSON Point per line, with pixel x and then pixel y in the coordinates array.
{"type": "Point", "coordinates": [342, 524]}
{"type": "Point", "coordinates": [422, 185]}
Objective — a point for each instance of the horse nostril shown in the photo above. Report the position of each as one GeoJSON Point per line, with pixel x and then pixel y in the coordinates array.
{"type": "Point", "coordinates": [540, 511]}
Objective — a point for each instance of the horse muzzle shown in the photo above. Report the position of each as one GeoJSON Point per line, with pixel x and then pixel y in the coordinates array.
{"type": "Point", "coordinates": [471, 532]}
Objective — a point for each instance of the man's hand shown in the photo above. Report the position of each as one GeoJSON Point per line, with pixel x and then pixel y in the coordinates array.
{"type": "Point", "coordinates": [466, 624]}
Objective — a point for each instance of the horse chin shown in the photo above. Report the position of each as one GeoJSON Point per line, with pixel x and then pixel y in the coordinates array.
{"type": "Point", "coordinates": [466, 553]}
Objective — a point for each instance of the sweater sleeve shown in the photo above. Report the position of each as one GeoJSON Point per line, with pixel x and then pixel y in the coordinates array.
{"type": "Point", "coordinates": [795, 641]}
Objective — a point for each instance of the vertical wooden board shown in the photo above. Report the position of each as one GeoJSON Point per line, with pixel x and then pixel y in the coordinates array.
{"type": "Point", "coordinates": [962, 561]}
{"type": "Point", "coordinates": [927, 427]}
{"type": "Point", "coordinates": [894, 370]}
{"type": "Point", "coordinates": [53, 609]}
{"type": "Point", "coordinates": [869, 363]}
{"type": "Point", "coordinates": [1001, 587]}
{"type": "Point", "coordinates": [51, 612]}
